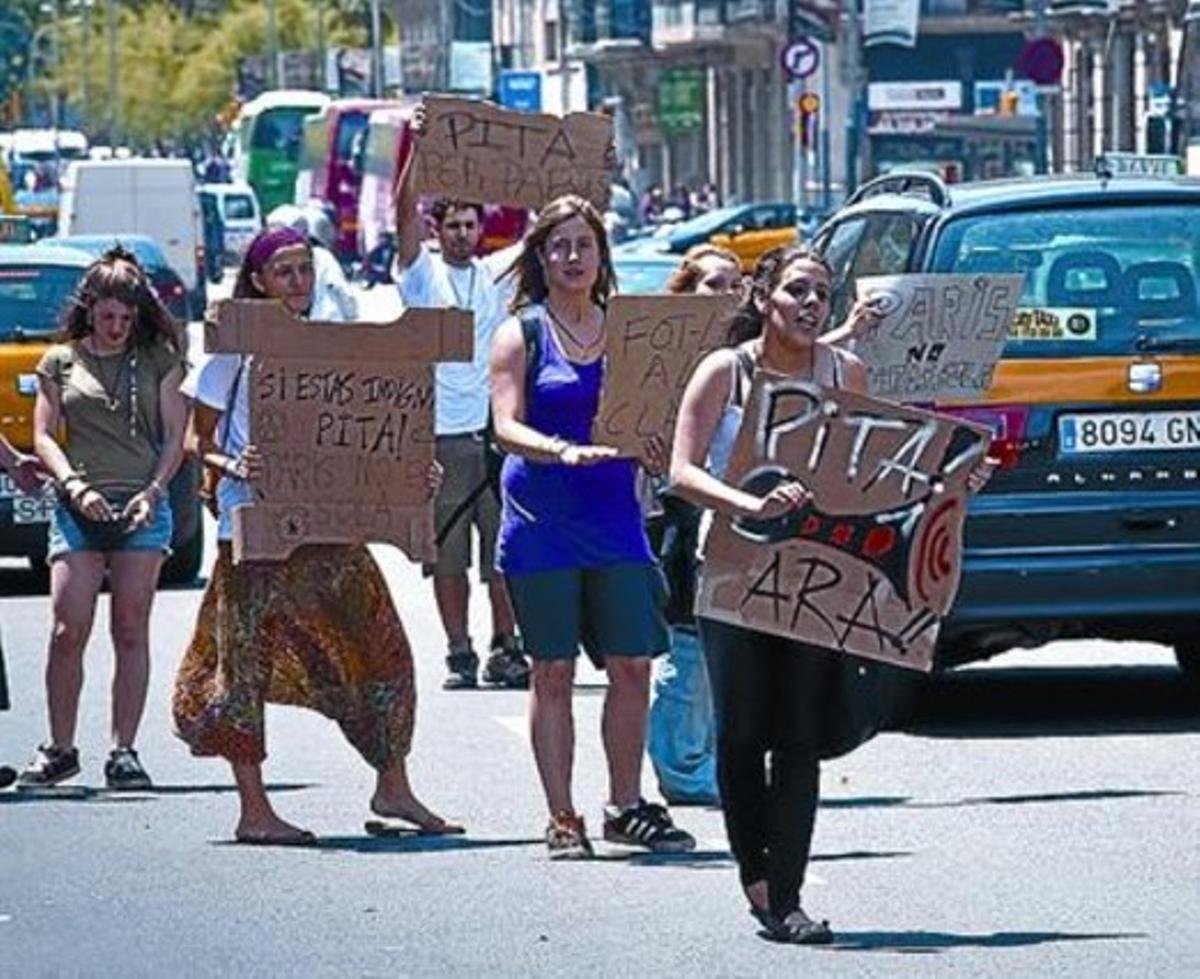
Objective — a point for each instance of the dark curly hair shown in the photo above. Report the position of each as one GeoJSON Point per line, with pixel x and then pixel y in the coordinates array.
{"type": "Point", "coordinates": [117, 275]}
{"type": "Point", "coordinates": [527, 266]}
{"type": "Point", "coordinates": [750, 317]}
{"type": "Point", "coordinates": [444, 205]}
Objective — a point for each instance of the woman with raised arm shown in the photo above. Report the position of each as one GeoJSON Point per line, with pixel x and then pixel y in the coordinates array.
{"type": "Point", "coordinates": [316, 630]}
{"type": "Point", "coordinates": [108, 426]}
{"type": "Point", "coordinates": [572, 545]}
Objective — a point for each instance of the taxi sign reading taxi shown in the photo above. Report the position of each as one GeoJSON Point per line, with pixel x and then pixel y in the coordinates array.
{"type": "Point", "coordinates": [800, 58]}
{"type": "Point", "coordinates": [1140, 165]}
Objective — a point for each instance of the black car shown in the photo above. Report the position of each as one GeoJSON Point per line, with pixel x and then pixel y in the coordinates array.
{"type": "Point", "coordinates": [166, 281]}
{"type": "Point", "coordinates": [1090, 528]}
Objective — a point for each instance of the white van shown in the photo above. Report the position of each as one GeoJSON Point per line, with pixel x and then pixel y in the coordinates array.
{"type": "Point", "coordinates": [136, 196]}
{"type": "Point", "coordinates": [240, 217]}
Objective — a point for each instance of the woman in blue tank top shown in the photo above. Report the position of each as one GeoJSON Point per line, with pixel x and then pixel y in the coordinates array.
{"type": "Point", "coordinates": [572, 545]}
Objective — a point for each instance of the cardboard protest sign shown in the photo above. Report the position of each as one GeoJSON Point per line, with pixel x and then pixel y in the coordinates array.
{"type": "Point", "coordinates": [940, 335]}
{"type": "Point", "coordinates": [477, 151]}
{"type": "Point", "coordinates": [343, 418]}
{"type": "Point", "coordinates": [652, 347]}
{"type": "Point", "coordinates": [870, 565]}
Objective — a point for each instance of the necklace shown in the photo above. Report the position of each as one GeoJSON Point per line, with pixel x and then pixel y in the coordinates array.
{"type": "Point", "coordinates": [582, 347]}
{"type": "Point", "coordinates": [112, 389]}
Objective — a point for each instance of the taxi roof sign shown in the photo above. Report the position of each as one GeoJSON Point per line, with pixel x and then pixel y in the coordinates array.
{"type": "Point", "coordinates": [1139, 165]}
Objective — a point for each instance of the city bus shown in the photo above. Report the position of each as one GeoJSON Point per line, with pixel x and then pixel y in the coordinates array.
{"type": "Point", "coordinates": [332, 143]}
{"type": "Point", "coordinates": [265, 140]}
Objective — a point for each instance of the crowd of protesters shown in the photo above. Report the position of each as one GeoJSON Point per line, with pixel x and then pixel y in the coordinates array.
{"type": "Point", "coordinates": [570, 555]}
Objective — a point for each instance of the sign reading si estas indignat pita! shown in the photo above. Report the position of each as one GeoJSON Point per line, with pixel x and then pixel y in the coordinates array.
{"type": "Point", "coordinates": [478, 151]}
{"type": "Point", "coordinates": [343, 417]}
{"type": "Point", "coordinates": [653, 345]}
{"type": "Point", "coordinates": [939, 336]}
{"type": "Point", "coordinates": [870, 565]}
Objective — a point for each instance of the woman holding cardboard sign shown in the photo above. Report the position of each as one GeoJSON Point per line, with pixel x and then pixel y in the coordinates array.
{"type": "Point", "coordinates": [681, 741]}
{"type": "Point", "coordinates": [572, 545]}
{"type": "Point", "coordinates": [771, 694]}
{"type": "Point", "coordinates": [766, 692]}
{"type": "Point", "coordinates": [316, 630]}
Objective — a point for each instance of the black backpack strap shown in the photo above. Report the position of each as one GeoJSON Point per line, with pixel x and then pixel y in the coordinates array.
{"type": "Point", "coordinates": [743, 377]}
{"type": "Point", "coordinates": [531, 333]}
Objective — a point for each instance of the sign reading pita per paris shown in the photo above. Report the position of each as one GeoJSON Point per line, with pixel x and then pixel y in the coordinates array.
{"type": "Point", "coordinates": [343, 418]}
{"type": "Point", "coordinates": [870, 564]}
{"type": "Point", "coordinates": [478, 151]}
{"type": "Point", "coordinates": [653, 345]}
{"type": "Point", "coordinates": [939, 336]}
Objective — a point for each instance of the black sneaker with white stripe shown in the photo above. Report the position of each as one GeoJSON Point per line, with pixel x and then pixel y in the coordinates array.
{"type": "Point", "coordinates": [646, 824]}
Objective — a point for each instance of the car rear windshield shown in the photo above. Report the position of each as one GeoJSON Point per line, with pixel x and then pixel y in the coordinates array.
{"type": "Point", "coordinates": [1098, 280]}
{"type": "Point", "coordinates": [239, 207]}
{"type": "Point", "coordinates": [31, 298]}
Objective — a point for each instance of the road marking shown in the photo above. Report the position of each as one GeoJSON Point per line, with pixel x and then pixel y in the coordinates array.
{"type": "Point", "coordinates": [518, 725]}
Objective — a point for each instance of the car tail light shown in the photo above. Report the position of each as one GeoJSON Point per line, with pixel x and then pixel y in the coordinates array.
{"type": "Point", "coordinates": [1008, 424]}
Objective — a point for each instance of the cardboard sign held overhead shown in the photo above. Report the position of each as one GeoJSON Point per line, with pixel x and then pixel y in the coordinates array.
{"type": "Point", "coordinates": [653, 345]}
{"type": "Point", "coordinates": [477, 151]}
{"type": "Point", "coordinates": [870, 565]}
{"type": "Point", "coordinates": [940, 335]}
{"type": "Point", "coordinates": [343, 417]}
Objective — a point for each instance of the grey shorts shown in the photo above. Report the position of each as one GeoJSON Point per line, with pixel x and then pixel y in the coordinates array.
{"type": "Point", "coordinates": [611, 611]}
{"type": "Point", "coordinates": [464, 465]}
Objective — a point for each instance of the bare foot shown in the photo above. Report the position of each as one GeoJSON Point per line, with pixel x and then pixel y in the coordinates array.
{"type": "Point", "coordinates": [271, 831]}
{"type": "Point", "coordinates": [410, 810]}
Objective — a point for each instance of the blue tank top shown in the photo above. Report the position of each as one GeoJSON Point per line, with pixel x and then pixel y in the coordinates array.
{"type": "Point", "coordinates": [556, 517]}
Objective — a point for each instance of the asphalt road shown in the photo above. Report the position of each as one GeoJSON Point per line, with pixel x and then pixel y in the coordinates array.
{"type": "Point", "coordinates": [1036, 820]}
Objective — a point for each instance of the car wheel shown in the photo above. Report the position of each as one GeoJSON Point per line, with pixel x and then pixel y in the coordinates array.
{"type": "Point", "coordinates": [183, 566]}
{"type": "Point", "coordinates": [1187, 655]}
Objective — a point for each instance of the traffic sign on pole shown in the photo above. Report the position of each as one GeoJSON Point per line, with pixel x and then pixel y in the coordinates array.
{"type": "Point", "coordinates": [800, 58]}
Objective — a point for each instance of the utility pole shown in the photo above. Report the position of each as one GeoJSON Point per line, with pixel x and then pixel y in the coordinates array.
{"type": "Point", "coordinates": [858, 95]}
{"type": "Point", "coordinates": [272, 47]}
{"type": "Point", "coordinates": [1041, 154]}
{"type": "Point", "coordinates": [87, 63]}
{"type": "Point", "coordinates": [565, 78]}
{"type": "Point", "coordinates": [114, 93]}
{"type": "Point", "coordinates": [376, 52]}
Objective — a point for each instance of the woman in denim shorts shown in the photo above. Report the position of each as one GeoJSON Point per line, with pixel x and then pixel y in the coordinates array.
{"type": "Point", "coordinates": [111, 386]}
{"type": "Point", "coordinates": [572, 545]}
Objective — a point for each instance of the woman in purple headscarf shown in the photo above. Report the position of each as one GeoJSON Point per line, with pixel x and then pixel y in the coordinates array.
{"type": "Point", "coordinates": [317, 630]}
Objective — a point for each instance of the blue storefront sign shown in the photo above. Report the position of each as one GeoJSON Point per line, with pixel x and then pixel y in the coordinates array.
{"type": "Point", "coordinates": [521, 90]}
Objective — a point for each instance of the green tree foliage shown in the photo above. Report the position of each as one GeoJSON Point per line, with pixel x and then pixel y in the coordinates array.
{"type": "Point", "coordinates": [177, 61]}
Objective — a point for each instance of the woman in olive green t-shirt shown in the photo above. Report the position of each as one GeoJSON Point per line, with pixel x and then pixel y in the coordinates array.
{"type": "Point", "coordinates": [108, 426]}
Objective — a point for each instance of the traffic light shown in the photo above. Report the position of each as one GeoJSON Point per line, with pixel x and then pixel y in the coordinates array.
{"type": "Point", "coordinates": [1009, 102]}
{"type": "Point", "coordinates": [1157, 134]}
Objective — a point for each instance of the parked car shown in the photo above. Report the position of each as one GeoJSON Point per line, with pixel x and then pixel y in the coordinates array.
{"type": "Point", "coordinates": [240, 217]}
{"type": "Point", "coordinates": [35, 282]}
{"type": "Point", "coordinates": [150, 256]}
{"type": "Point", "coordinates": [747, 230]}
{"type": "Point", "coordinates": [641, 273]}
{"type": "Point", "coordinates": [151, 197]}
{"type": "Point", "coordinates": [1091, 526]}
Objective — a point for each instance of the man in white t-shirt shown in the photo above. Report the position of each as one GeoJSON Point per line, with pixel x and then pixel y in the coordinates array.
{"type": "Point", "coordinates": [455, 277]}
